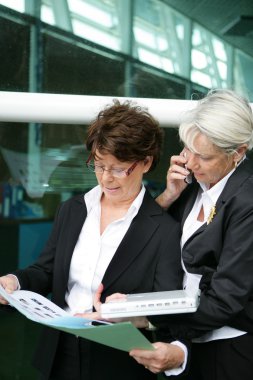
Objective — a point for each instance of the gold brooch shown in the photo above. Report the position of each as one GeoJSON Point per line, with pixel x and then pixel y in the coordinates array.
{"type": "Point", "coordinates": [211, 215]}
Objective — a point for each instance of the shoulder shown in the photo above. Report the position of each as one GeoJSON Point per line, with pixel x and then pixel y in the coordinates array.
{"type": "Point", "coordinates": [73, 205]}
{"type": "Point", "coordinates": [243, 197]}
{"type": "Point", "coordinates": [75, 200]}
{"type": "Point", "coordinates": [236, 200]}
{"type": "Point", "coordinates": [240, 185]}
{"type": "Point", "coordinates": [154, 211]}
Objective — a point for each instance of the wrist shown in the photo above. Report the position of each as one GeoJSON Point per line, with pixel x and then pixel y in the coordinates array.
{"type": "Point", "coordinates": [166, 199]}
{"type": "Point", "coordinates": [181, 353]}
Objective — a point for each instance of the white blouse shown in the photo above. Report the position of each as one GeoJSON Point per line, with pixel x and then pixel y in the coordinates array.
{"type": "Point", "coordinates": [93, 252]}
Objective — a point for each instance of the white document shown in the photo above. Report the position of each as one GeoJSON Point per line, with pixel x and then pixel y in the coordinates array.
{"type": "Point", "coordinates": [122, 336]}
{"type": "Point", "coordinates": [40, 309]}
{"type": "Point", "coordinates": [156, 303]}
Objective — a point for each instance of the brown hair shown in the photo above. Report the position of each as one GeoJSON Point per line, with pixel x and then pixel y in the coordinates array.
{"type": "Point", "coordinates": [126, 131]}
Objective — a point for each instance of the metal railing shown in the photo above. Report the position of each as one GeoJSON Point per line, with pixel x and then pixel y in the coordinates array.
{"type": "Point", "coordinates": [80, 109]}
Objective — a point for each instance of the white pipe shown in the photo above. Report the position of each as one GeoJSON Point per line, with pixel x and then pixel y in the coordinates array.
{"type": "Point", "coordinates": [80, 109]}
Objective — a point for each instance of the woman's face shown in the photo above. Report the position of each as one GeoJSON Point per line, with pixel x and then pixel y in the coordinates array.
{"type": "Point", "coordinates": [210, 164]}
{"type": "Point", "coordinates": [125, 189]}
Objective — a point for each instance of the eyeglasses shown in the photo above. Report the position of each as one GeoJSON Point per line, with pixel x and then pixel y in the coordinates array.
{"type": "Point", "coordinates": [118, 173]}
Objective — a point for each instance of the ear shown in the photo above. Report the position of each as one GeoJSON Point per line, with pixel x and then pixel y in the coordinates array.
{"type": "Point", "coordinates": [240, 152]}
{"type": "Point", "coordinates": [147, 163]}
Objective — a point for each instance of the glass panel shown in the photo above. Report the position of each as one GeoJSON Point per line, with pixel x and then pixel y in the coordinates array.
{"type": "Point", "coordinates": [92, 12]}
{"type": "Point", "coordinates": [199, 59]}
{"type": "Point", "coordinates": [151, 84]}
{"type": "Point", "coordinates": [17, 5]}
{"type": "Point", "coordinates": [72, 69]}
{"type": "Point", "coordinates": [160, 36]}
{"type": "Point", "coordinates": [201, 78]}
{"type": "Point", "coordinates": [97, 21]}
{"type": "Point", "coordinates": [210, 59]}
{"type": "Point", "coordinates": [219, 49]}
{"type": "Point", "coordinates": [98, 36]}
{"type": "Point", "coordinates": [14, 50]}
{"type": "Point", "coordinates": [47, 14]}
{"type": "Point", "coordinates": [243, 69]}
{"type": "Point", "coordinates": [32, 184]}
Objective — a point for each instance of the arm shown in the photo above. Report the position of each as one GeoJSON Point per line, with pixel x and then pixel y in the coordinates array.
{"type": "Point", "coordinates": [176, 175]}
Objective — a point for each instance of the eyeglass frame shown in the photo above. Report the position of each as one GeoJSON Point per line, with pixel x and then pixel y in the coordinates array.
{"type": "Point", "coordinates": [127, 172]}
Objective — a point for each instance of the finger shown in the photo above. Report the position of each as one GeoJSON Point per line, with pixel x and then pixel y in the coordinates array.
{"type": "Point", "coordinates": [148, 355]}
{"type": "Point", "coordinates": [141, 354]}
{"type": "Point", "coordinates": [3, 301]}
{"type": "Point", "coordinates": [178, 160]}
{"type": "Point", "coordinates": [183, 152]}
{"type": "Point", "coordinates": [81, 315]}
{"type": "Point", "coordinates": [94, 315]}
{"type": "Point", "coordinates": [153, 369]}
{"type": "Point", "coordinates": [9, 283]}
{"type": "Point", "coordinates": [10, 289]}
{"type": "Point", "coordinates": [115, 296]}
{"type": "Point", "coordinates": [176, 175]}
{"type": "Point", "coordinates": [175, 168]}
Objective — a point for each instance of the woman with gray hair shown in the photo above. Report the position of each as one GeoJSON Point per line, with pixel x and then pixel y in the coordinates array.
{"type": "Point", "coordinates": [215, 209]}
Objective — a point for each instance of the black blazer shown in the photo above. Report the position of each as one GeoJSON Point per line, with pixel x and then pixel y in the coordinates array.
{"type": "Point", "coordinates": [223, 253]}
{"type": "Point", "coordinates": [147, 259]}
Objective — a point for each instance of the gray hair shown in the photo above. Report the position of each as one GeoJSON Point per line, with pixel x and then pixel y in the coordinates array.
{"type": "Point", "coordinates": [224, 117]}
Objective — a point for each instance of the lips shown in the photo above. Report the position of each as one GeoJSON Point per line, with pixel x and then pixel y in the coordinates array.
{"type": "Point", "coordinates": [112, 189]}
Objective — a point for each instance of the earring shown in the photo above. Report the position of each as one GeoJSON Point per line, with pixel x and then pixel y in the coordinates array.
{"type": "Point", "coordinates": [236, 164]}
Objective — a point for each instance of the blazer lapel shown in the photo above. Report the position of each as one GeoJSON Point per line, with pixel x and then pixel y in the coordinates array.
{"type": "Point", "coordinates": [236, 180]}
{"type": "Point", "coordinates": [243, 171]}
{"type": "Point", "coordinates": [141, 230]}
{"type": "Point", "coordinates": [77, 217]}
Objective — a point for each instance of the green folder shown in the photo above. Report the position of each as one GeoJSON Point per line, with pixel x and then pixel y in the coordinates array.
{"type": "Point", "coordinates": [122, 336]}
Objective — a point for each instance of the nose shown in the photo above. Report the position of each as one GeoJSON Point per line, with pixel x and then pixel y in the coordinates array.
{"type": "Point", "coordinates": [107, 175]}
{"type": "Point", "coordinates": [192, 161]}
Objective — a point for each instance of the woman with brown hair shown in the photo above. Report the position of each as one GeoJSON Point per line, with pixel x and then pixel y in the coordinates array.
{"type": "Point", "coordinates": [115, 234]}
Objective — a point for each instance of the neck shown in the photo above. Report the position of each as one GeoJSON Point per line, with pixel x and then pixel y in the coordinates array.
{"type": "Point", "coordinates": [118, 204]}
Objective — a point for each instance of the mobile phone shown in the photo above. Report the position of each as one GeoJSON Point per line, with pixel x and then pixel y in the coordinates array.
{"type": "Point", "coordinates": [188, 178]}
